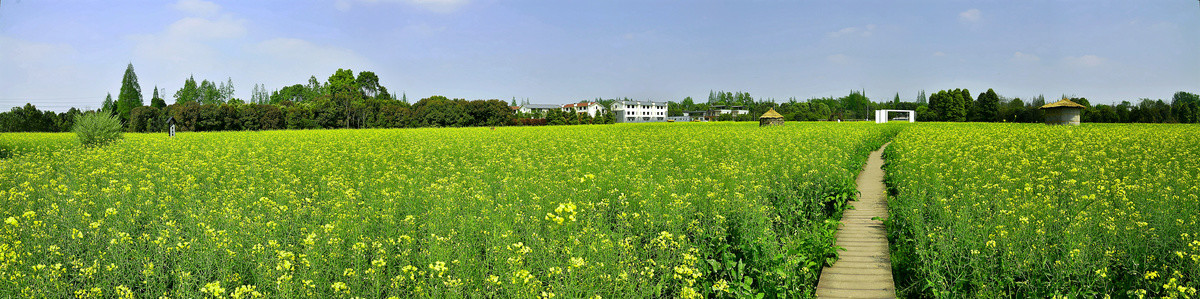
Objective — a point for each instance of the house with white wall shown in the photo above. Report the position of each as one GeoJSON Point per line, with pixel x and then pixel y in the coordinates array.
{"type": "Point", "coordinates": [639, 111]}
{"type": "Point", "coordinates": [593, 109]}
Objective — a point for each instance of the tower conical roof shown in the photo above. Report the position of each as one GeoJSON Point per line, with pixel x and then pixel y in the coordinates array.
{"type": "Point", "coordinates": [771, 114]}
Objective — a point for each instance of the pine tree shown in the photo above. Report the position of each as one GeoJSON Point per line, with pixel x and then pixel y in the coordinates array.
{"type": "Point", "coordinates": [108, 106]}
{"type": "Point", "coordinates": [157, 101]}
{"type": "Point", "coordinates": [189, 92]}
{"type": "Point", "coordinates": [130, 96]}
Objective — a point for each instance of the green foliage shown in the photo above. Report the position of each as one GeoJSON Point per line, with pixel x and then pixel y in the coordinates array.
{"type": "Point", "coordinates": [29, 119]}
{"type": "Point", "coordinates": [209, 93]}
{"type": "Point", "coordinates": [97, 129]}
{"type": "Point", "coordinates": [109, 106]}
{"type": "Point", "coordinates": [189, 92]}
{"type": "Point", "coordinates": [950, 105]}
{"type": "Point", "coordinates": [986, 107]}
{"type": "Point", "coordinates": [259, 95]}
{"type": "Point", "coordinates": [157, 101]}
{"type": "Point", "coordinates": [144, 119]}
{"type": "Point", "coordinates": [130, 96]}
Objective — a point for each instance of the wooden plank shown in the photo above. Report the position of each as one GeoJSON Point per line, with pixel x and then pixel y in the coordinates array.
{"type": "Point", "coordinates": [864, 269]}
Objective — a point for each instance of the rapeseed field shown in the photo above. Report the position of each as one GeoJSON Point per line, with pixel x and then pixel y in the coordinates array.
{"type": "Point", "coordinates": [626, 211]}
{"type": "Point", "coordinates": [1008, 210]}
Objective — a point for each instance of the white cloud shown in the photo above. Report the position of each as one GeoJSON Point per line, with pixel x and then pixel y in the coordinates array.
{"type": "Point", "coordinates": [199, 28]}
{"type": "Point", "coordinates": [1025, 57]}
{"type": "Point", "coordinates": [215, 45]}
{"type": "Point", "coordinates": [864, 31]}
{"type": "Point", "coordinates": [441, 6]}
{"type": "Point", "coordinates": [197, 7]}
{"type": "Point", "coordinates": [1085, 61]}
{"type": "Point", "coordinates": [971, 15]}
{"type": "Point", "coordinates": [939, 54]}
{"type": "Point", "coordinates": [189, 43]}
{"type": "Point", "coordinates": [838, 58]}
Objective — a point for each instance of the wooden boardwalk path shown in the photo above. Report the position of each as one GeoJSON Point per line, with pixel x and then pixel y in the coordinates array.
{"type": "Point", "coordinates": [864, 269]}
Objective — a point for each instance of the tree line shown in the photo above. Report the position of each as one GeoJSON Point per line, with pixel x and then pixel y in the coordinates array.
{"type": "Point", "coordinates": [349, 100]}
{"type": "Point", "coordinates": [956, 105]}
{"type": "Point", "coordinates": [344, 100]}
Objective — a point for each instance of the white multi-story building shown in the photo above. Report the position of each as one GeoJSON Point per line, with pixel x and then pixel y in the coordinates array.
{"type": "Point", "coordinates": [593, 109]}
{"type": "Point", "coordinates": [639, 111]}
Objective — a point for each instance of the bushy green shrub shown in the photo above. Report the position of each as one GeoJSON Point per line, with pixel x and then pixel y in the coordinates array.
{"type": "Point", "coordinates": [97, 129]}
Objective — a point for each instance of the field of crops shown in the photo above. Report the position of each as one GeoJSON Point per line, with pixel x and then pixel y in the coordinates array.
{"type": "Point", "coordinates": [15, 144]}
{"type": "Point", "coordinates": [994, 210]}
{"type": "Point", "coordinates": [652, 210]}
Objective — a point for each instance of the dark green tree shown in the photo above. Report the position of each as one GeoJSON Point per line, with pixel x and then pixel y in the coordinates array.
{"type": "Point", "coordinates": [209, 94]}
{"type": "Point", "coordinates": [291, 94]}
{"type": "Point", "coordinates": [157, 101]}
{"type": "Point", "coordinates": [987, 107]}
{"type": "Point", "coordinates": [188, 93]}
{"type": "Point", "coordinates": [1186, 107]}
{"type": "Point", "coordinates": [344, 91]}
{"type": "Point", "coordinates": [109, 106]}
{"type": "Point", "coordinates": [130, 96]}
{"type": "Point", "coordinates": [368, 83]}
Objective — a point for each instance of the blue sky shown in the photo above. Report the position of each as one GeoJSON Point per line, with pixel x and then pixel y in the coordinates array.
{"type": "Point", "coordinates": [60, 54]}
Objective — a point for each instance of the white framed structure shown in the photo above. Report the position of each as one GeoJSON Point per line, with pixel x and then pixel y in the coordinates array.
{"type": "Point", "coordinates": [639, 111]}
{"type": "Point", "coordinates": [881, 116]}
{"type": "Point", "coordinates": [716, 111]}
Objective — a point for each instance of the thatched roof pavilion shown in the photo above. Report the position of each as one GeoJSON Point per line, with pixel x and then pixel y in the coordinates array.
{"type": "Point", "coordinates": [1064, 112]}
{"type": "Point", "coordinates": [771, 118]}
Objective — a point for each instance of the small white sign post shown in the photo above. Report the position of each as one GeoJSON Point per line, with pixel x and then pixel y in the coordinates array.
{"type": "Point", "coordinates": [881, 116]}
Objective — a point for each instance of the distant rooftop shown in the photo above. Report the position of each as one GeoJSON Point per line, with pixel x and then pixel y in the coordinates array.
{"type": "Point", "coordinates": [542, 106]}
{"type": "Point", "coordinates": [642, 103]}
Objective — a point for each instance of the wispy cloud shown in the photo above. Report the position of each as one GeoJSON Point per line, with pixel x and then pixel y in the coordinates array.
{"type": "Point", "coordinates": [864, 31]}
{"type": "Point", "coordinates": [971, 15]}
{"type": "Point", "coordinates": [197, 7]}
{"type": "Point", "coordinates": [1025, 57]}
{"type": "Point", "coordinates": [1085, 61]}
{"type": "Point", "coordinates": [189, 42]}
